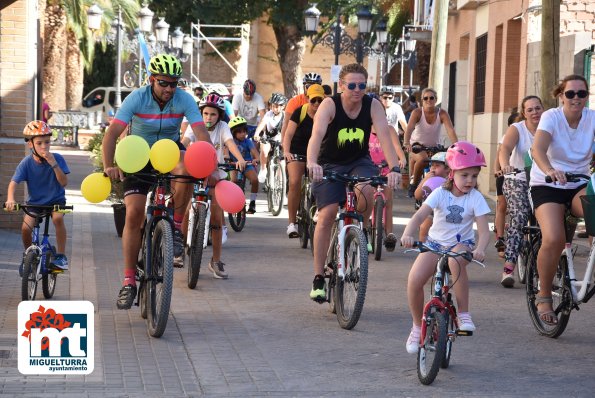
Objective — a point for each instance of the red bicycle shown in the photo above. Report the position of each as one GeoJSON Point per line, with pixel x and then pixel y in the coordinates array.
{"type": "Point", "coordinates": [439, 326]}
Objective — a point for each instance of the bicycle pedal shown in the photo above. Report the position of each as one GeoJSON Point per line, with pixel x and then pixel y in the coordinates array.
{"type": "Point", "coordinates": [320, 300]}
{"type": "Point", "coordinates": [464, 333]}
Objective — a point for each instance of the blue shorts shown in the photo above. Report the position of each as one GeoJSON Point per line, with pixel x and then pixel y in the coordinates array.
{"type": "Point", "coordinates": [329, 192]}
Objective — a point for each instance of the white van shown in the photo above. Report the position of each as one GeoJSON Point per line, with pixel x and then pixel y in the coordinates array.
{"type": "Point", "coordinates": [100, 101]}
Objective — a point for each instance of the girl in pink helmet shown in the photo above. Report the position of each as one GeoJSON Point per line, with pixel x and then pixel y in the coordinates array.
{"type": "Point", "coordinates": [456, 205]}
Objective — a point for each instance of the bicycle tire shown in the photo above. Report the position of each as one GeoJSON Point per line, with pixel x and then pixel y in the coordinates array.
{"type": "Point", "coordinates": [450, 333]}
{"type": "Point", "coordinates": [302, 221]}
{"type": "Point", "coordinates": [521, 264]}
{"type": "Point", "coordinates": [560, 293]}
{"type": "Point", "coordinates": [432, 350]}
{"type": "Point", "coordinates": [237, 221]}
{"type": "Point", "coordinates": [142, 298]}
{"type": "Point", "coordinates": [276, 192]}
{"type": "Point", "coordinates": [378, 230]}
{"type": "Point", "coordinates": [48, 281]}
{"type": "Point", "coordinates": [350, 293]}
{"type": "Point", "coordinates": [130, 78]}
{"type": "Point", "coordinates": [160, 280]}
{"type": "Point", "coordinates": [194, 252]}
{"type": "Point", "coordinates": [29, 280]}
{"type": "Point", "coordinates": [312, 228]}
{"type": "Point", "coordinates": [329, 271]}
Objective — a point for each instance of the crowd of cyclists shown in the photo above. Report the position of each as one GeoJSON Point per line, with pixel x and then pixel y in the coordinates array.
{"type": "Point", "coordinates": [353, 132]}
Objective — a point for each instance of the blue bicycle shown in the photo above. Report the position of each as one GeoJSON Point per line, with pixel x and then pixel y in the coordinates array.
{"type": "Point", "coordinates": [37, 258]}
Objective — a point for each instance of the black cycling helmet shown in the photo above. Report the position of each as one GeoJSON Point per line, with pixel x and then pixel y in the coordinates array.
{"type": "Point", "coordinates": [249, 87]}
{"type": "Point", "coordinates": [278, 99]}
{"type": "Point", "coordinates": [312, 78]}
{"type": "Point", "coordinates": [386, 90]}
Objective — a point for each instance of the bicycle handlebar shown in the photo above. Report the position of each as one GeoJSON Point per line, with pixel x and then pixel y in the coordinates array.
{"type": "Point", "coordinates": [571, 177]}
{"type": "Point", "coordinates": [28, 209]}
{"type": "Point", "coordinates": [374, 180]}
{"type": "Point", "coordinates": [417, 148]}
{"type": "Point", "coordinates": [421, 247]}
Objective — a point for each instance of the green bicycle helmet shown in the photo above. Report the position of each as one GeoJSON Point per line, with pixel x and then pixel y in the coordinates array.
{"type": "Point", "coordinates": [236, 122]}
{"type": "Point", "coordinates": [166, 65]}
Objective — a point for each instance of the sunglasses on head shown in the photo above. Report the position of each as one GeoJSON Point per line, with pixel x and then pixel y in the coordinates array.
{"type": "Point", "coordinates": [570, 94]}
{"type": "Point", "coordinates": [431, 98]}
{"type": "Point", "coordinates": [316, 100]}
{"type": "Point", "coordinates": [165, 83]}
{"type": "Point", "coordinates": [352, 86]}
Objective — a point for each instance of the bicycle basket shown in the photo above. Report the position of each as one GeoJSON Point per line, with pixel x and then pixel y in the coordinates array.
{"type": "Point", "coordinates": [588, 202]}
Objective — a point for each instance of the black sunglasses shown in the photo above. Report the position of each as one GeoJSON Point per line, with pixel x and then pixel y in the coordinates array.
{"type": "Point", "coordinates": [316, 100]}
{"type": "Point", "coordinates": [432, 98]}
{"type": "Point", "coordinates": [352, 86]}
{"type": "Point", "coordinates": [570, 94]}
{"type": "Point", "coordinates": [165, 83]}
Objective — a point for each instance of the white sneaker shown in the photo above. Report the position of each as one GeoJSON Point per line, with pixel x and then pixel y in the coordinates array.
{"type": "Point", "coordinates": [465, 322]}
{"type": "Point", "coordinates": [224, 235]}
{"type": "Point", "coordinates": [412, 345]}
{"type": "Point", "coordinates": [262, 175]}
{"type": "Point", "coordinates": [292, 231]}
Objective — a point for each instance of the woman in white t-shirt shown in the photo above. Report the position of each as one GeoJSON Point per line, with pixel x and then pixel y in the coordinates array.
{"type": "Point", "coordinates": [562, 144]}
{"type": "Point", "coordinates": [516, 143]}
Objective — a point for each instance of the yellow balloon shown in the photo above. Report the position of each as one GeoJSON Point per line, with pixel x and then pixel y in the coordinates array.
{"type": "Point", "coordinates": [96, 187]}
{"type": "Point", "coordinates": [164, 155]}
{"type": "Point", "coordinates": [132, 154]}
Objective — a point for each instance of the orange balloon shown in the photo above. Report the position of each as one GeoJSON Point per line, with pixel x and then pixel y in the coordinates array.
{"type": "Point", "coordinates": [229, 196]}
{"type": "Point", "coordinates": [200, 159]}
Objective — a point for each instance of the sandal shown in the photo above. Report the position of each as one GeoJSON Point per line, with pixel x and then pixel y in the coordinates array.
{"type": "Point", "coordinates": [547, 317]}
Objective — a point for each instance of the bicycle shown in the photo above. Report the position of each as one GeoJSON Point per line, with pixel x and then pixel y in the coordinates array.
{"type": "Point", "coordinates": [431, 151]}
{"type": "Point", "coordinates": [439, 326]}
{"type": "Point", "coordinates": [130, 77]}
{"type": "Point", "coordinates": [275, 179]}
{"type": "Point", "coordinates": [305, 214]}
{"type": "Point", "coordinates": [196, 238]}
{"type": "Point", "coordinates": [237, 221]}
{"type": "Point", "coordinates": [564, 288]}
{"type": "Point", "coordinates": [378, 219]}
{"type": "Point", "coordinates": [37, 258]}
{"type": "Point", "coordinates": [346, 265]}
{"type": "Point", "coordinates": [155, 267]}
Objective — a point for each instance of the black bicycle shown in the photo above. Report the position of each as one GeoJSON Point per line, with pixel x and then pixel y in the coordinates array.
{"type": "Point", "coordinates": [306, 209]}
{"type": "Point", "coordinates": [275, 180]}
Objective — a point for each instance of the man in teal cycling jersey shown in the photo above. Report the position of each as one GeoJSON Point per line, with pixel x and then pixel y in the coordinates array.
{"type": "Point", "coordinates": [153, 112]}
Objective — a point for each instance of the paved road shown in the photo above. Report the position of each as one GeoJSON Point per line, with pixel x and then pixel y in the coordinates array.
{"type": "Point", "coordinates": [257, 333]}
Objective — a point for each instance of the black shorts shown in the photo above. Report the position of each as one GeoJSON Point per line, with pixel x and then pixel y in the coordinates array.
{"type": "Point", "coordinates": [329, 192]}
{"type": "Point", "coordinates": [541, 194]}
{"type": "Point", "coordinates": [139, 186]}
{"type": "Point", "coordinates": [499, 185]}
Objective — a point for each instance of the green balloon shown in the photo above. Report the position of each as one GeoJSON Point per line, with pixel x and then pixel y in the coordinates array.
{"type": "Point", "coordinates": [132, 154]}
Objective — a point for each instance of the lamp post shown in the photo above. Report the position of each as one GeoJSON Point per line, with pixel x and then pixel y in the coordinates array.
{"type": "Point", "coordinates": [336, 37]}
{"type": "Point", "coordinates": [405, 53]}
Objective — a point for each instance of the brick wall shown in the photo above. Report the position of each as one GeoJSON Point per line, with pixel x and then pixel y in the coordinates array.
{"type": "Point", "coordinates": [577, 16]}
{"type": "Point", "coordinates": [16, 96]}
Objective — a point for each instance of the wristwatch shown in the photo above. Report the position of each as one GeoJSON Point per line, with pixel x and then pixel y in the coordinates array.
{"type": "Point", "coordinates": [396, 169]}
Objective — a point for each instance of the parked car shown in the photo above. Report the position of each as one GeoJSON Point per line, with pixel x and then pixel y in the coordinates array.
{"type": "Point", "coordinates": [101, 101]}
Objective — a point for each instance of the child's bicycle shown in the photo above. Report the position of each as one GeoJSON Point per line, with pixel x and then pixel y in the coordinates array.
{"type": "Point", "coordinates": [237, 221]}
{"type": "Point", "coordinates": [439, 326]}
{"type": "Point", "coordinates": [378, 219]}
{"type": "Point", "coordinates": [198, 223]}
{"type": "Point", "coordinates": [37, 258]}
{"type": "Point", "coordinates": [346, 266]}
{"type": "Point", "coordinates": [275, 180]}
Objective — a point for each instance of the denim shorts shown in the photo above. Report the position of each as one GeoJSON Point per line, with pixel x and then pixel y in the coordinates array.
{"type": "Point", "coordinates": [329, 192]}
{"type": "Point", "coordinates": [437, 246]}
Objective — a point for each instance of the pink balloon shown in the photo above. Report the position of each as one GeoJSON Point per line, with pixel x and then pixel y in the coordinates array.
{"type": "Point", "coordinates": [200, 159]}
{"type": "Point", "coordinates": [434, 182]}
{"type": "Point", "coordinates": [229, 196]}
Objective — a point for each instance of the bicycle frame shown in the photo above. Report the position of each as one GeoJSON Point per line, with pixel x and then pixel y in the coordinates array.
{"type": "Point", "coordinates": [200, 196]}
{"type": "Point", "coordinates": [584, 294]}
{"type": "Point", "coordinates": [42, 248]}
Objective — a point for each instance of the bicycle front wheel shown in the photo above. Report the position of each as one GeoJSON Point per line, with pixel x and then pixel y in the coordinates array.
{"type": "Point", "coordinates": [277, 189]}
{"type": "Point", "coordinates": [29, 280]}
{"type": "Point", "coordinates": [350, 292]}
{"type": "Point", "coordinates": [130, 79]}
{"type": "Point", "coordinates": [561, 296]}
{"type": "Point", "coordinates": [160, 278]}
{"type": "Point", "coordinates": [195, 250]}
{"type": "Point", "coordinates": [432, 351]}
{"type": "Point", "coordinates": [237, 221]}
{"type": "Point", "coordinates": [378, 230]}
{"type": "Point", "coordinates": [48, 281]}
{"type": "Point", "coordinates": [302, 222]}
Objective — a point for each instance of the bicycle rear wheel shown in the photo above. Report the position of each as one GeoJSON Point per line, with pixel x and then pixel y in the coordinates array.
{"type": "Point", "coordinates": [29, 280]}
{"type": "Point", "coordinates": [521, 264]}
{"type": "Point", "coordinates": [302, 221]}
{"type": "Point", "coordinates": [277, 189]}
{"type": "Point", "coordinates": [378, 230]}
{"type": "Point", "coordinates": [560, 294]}
{"type": "Point", "coordinates": [130, 78]}
{"type": "Point", "coordinates": [433, 348]}
{"type": "Point", "coordinates": [350, 292]}
{"type": "Point", "coordinates": [160, 279]}
{"type": "Point", "coordinates": [194, 252]}
{"type": "Point", "coordinates": [48, 281]}
{"type": "Point", "coordinates": [450, 337]}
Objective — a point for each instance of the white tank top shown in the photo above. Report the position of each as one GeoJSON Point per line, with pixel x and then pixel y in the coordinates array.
{"type": "Point", "coordinates": [517, 157]}
{"type": "Point", "coordinates": [427, 134]}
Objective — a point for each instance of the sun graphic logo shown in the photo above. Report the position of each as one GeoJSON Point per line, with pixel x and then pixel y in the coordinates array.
{"type": "Point", "coordinates": [56, 337]}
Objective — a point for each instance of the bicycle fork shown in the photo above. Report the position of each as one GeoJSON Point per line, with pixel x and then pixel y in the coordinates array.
{"type": "Point", "coordinates": [581, 295]}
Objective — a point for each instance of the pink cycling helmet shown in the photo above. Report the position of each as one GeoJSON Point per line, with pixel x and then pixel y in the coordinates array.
{"type": "Point", "coordinates": [463, 154]}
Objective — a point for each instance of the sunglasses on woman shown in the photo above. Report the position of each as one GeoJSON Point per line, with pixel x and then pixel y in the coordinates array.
{"type": "Point", "coordinates": [431, 98]}
{"type": "Point", "coordinates": [316, 100]}
{"type": "Point", "coordinates": [352, 86]}
{"type": "Point", "coordinates": [165, 83]}
{"type": "Point", "coordinates": [570, 94]}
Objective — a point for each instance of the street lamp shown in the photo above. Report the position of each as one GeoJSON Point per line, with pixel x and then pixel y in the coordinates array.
{"type": "Point", "coordinates": [336, 37]}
